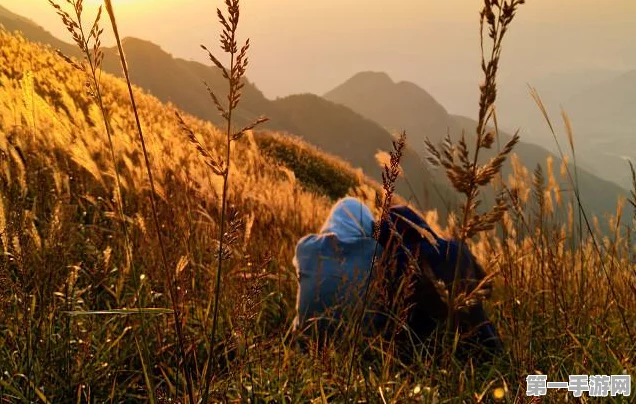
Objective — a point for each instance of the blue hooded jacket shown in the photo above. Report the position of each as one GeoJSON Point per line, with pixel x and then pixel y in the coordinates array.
{"type": "Point", "coordinates": [437, 251]}
{"type": "Point", "coordinates": [333, 265]}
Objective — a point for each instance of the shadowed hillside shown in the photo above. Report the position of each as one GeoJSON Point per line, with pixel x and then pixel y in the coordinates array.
{"type": "Point", "coordinates": [323, 123]}
{"type": "Point", "coordinates": [181, 82]}
{"type": "Point", "coordinates": [410, 106]}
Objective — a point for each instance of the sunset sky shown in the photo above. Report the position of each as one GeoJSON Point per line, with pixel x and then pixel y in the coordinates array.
{"type": "Point", "coordinates": [312, 46]}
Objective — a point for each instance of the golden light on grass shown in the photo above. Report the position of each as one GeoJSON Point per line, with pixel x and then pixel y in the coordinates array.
{"type": "Point", "coordinates": [498, 394]}
{"type": "Point", "coordinates": [384, 160]}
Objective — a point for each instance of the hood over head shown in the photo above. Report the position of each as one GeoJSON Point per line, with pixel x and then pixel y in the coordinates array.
{"type": "Point", "coordinates": [349, 219]}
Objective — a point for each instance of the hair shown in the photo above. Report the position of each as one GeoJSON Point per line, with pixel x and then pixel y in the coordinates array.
{"type": "Point", "coordinates": [416, 284]}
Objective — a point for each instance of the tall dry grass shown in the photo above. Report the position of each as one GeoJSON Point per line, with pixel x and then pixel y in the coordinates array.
{"type": "Point", "coordinates": [221, 167]}
{"type": "Point", "coordinates": [465, 172]}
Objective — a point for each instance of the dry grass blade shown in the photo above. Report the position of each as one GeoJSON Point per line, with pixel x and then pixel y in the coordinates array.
{"type": "Point", "coordinates": [633, 190]}
{"type": "Point", "coordinates": [251, 126]}
{"type": "Point", "coordinates": [168, 273]}
{"type": "Point", "coordinates": [224, 113]}
{"type": "Point", "coordinates": [234, 77]}
{"type": "Point", "coordinates": [487, 172]}
{"type": "Point", "coordinates": [466, 175]}
{"type": "Point", "coordinates": [120, 312]}
{"type": "Point", "coordinates": [216, 62]}
{"type": "Point", "coordinates": [434, 157]}
{"type": "Point", "coordinates": [582, 213]}
{"type": "Point", "coordinates": [91, 67]}
{"type": "Point", "coordinates": [216, 164]}
{"type": "Point", "coordinates": [389, 176]}
{"type": "Point", "coordinates": [568, 129]}
{"type": "Point", "coordinates": [462, 149]}
{"type": "Point", "coordinates": [537, 99]}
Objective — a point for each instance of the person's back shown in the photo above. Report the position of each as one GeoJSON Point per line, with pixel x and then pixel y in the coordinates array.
{"type": "Point", "coordinates": [333, 267]}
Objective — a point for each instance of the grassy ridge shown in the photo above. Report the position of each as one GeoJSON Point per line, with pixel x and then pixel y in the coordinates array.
{"type": "Point", "coordinates": [60, 239]}
{"type": "Point", "coordinates": [557, 299]}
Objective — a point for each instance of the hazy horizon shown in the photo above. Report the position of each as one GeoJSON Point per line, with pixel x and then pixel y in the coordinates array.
{"type": "Point", "coordinates": [312, 47]}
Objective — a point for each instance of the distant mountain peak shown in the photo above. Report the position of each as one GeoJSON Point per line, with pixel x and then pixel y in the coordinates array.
{"type": "Point", "coordinates": [365, 80]}
{"type": "Point", "coordinates": [374, 75]}
{"type": "Point", "coordinates": [380, 82]}
{"type": "Point", "coordinates": [395, 106]}
{"type": "Point", "coordinates": [135, 40]}
{"type": "Point", "coordinates": [131, 41]}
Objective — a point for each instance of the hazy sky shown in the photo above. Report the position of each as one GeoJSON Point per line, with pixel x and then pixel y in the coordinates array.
{"type": "Point", "coordinates": [314, 45]}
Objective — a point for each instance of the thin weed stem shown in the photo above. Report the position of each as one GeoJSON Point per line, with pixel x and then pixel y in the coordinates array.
{"type": "Point", "coordinates": [389, 177]}
{"type": "Point", "coordinates": [94, 60]}
{"type": "Point", "coordinates": [466, 175]}
{"type": "Point", "coordinates": [597, 248]}
{"type": "Point", "coordinates": [221, 167]}
{"type": "Point", "coordinates": [155, 216]}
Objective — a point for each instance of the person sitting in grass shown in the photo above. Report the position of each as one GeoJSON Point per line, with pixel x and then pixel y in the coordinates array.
{"type": "Point", "coordinates": [414, 267]}
{"type": "Point", "coordinates": [332, 268]}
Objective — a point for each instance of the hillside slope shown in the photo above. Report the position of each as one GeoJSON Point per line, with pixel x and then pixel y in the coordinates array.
{"type": "Point", "coordinates": [334, 127]}
{"type": "Point", "coordinates": [61, 240]}
{"type": "Point", "coordinates": [181, 82]}
{"type": "Point", "coordinates": [47, 119]}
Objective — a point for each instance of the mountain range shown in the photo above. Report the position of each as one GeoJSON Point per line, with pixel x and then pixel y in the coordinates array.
{"type": "Point", "coordinates": [353, 121]}
{"type": "Point", "coordinates": [405, 105]}
{"type": "Point", "coordinates": [599, 104]}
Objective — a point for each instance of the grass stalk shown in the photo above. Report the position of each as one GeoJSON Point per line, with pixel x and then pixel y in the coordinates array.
{"type": "Point", "coordinates": [153, 204]}
{"type": "Point", "coordinates": [389, 176]}
{"type": "Point", "coordinates": [92, 68]}
{"type": "Point", "coordinates": [467, 175]}
{"type": "Point", "coordinates": [221, 166]}
{"type": "Point", "coordinates": [581, 209]}
{"type": "Point", "coordinates": [94, 58]}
